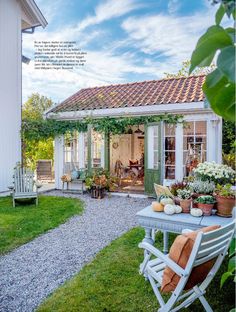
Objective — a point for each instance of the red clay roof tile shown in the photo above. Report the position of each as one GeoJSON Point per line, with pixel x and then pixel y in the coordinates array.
{"type": "Point", "coordinates": [165, 91]}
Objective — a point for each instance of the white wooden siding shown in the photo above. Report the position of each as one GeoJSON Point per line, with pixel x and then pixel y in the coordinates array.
{"type": "Point", "coordinates": [10, 89]}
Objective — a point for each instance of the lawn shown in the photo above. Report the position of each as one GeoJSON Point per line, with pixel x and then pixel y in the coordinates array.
{"type": "Point", "coordinates": [26, 221]}
{"type": "Point", "coordinates": [111, 282]}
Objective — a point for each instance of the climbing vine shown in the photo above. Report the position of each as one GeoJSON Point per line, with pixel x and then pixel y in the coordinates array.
{"type": "Point", "coordinates": [38, 130]}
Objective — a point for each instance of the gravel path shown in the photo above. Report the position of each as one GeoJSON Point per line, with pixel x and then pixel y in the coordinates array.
{"type": "Point", "coordinates": [33, 271]}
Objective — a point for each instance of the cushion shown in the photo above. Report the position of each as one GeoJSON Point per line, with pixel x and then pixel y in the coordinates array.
{"type": "Point", "coordinates": [180, 252]}
{"type": "Point", "coordinates": [74, 175]}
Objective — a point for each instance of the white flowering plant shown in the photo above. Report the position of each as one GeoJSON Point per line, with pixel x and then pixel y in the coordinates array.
{"type": "Point", "coordinates": [217, 173]}
{"type": "Point", "coordinates": [184, 194]}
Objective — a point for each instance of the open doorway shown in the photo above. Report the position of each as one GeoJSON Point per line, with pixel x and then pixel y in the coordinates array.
{"type": "Point", "coordinates": [127, 160]}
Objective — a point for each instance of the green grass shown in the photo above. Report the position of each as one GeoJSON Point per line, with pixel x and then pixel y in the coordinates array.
{"type": "Point", "coordinates": [111, 282]}
{"type": "Point", "coordinates": [26, 221]}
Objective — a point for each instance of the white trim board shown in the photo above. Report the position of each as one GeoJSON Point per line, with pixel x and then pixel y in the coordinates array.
{"type": "Point", "coordinates": [194, 107]}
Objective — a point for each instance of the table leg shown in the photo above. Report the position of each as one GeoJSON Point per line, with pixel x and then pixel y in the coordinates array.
{"type": "Point", "coordinates": [165, 242]}
{"type": "Point", "coordinates": [147, 239]}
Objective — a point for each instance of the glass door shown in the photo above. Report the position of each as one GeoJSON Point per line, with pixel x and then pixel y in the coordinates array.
{"type": "Point", "coordinates": [153, 141]}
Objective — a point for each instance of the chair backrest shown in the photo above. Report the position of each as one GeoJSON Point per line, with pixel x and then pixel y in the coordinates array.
{"type": "Point", "coordinates": [24, 180]}
{"type": "Point", "coordinates": [212, 244]}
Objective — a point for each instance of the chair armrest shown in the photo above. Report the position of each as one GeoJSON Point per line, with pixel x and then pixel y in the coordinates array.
{"type": "Point", "coordinates": [170, 263]}
{"type": "Point", "coordinates": [11, 187]}
{"type": "Point", "coordinates": [186, 231]}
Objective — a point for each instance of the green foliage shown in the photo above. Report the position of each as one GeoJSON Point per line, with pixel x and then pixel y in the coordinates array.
{"type": "Point", "coordinates": [44, 129]}
{"type": "Point", "coordinates": [184, 71]}
{"type": "Point", "coordinates": [26, 221]}
{"type": "Point", "coordinates": [225, 190]}
{"type": "Point", "coordinates": [230, 273]}
{"type": "Point", "coordinates": [35, 106]}
{"type": "Point", "coordinates": [111, 282]}
{"type": "Point", "coordinates": [219, 86]}
{"type": "Point", "coordinates": [34, 148]}
{"type": "Point", "coordinates": [205, 199]}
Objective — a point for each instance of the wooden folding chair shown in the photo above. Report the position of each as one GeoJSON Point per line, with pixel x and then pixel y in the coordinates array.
{"type": "Point", "coordinates": [207, 246]}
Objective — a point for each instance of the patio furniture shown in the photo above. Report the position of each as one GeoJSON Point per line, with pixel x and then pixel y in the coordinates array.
{"type": "Point", "coordinates": [154, 221]}
{"type": "Point", "coordinates": [24, 185]}
{"type": "Point", "coordinates": [207, 246]}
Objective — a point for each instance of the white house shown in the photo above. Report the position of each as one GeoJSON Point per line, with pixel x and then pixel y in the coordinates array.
{"type": "Point", "coordinates": [151, 152]}
{"type": "Point", "coordinates": [16, 16]}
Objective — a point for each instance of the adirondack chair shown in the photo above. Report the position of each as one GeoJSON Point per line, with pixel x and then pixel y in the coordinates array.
{"type": "Point", "coordinates": [24, 185]}
{"type": "Point", "coordinates": [207, 246]}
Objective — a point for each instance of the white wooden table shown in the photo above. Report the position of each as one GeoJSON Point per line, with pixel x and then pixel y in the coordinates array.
{"type": "Point", "coordinates": [152, 221]}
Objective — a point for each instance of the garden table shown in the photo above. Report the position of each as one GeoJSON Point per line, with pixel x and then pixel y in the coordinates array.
{"type": "Point", "coordinates": [152, 221]}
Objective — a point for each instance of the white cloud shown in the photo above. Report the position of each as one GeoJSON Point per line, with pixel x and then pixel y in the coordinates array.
{"type": "Point", "coordinates": [173, 6]}
{"type": "Point", "coordinates": [107, 10]}
{"type": "Point", "coordinates": [172, 38]}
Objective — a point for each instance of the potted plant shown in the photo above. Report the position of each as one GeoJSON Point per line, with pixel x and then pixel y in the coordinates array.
{"type": "Point", "coordinates": [206, 204]}
{"type": "Point", "coordinates": [225, 198]}
{"type": "Point", "coordinates": [200, 188]}
{"type": "Point", "coordinates": [175, 187]}
{"type": "Point", "coordinates": [99, 182]}
{"type": "Point", "coordinates": [185, 199]}
{"type": "Point", "coordinates": [218, 173]}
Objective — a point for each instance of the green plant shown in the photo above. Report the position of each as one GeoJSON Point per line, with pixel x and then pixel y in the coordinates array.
{"type": "Point", "coordinates": [43, 129]}
{"type": "Point", "coordinates": [205, 199]}
{"type": "Point", "coordinates": [230, 273]}
{"type": "Point", "coordinates": [225, 190]}
{"type": "Point", "coordinates": [202, 187]}
{"type": "Point", "coordinates": [211, 171]}
{"type": "Point", "coordinates": [230, 160]}
{"type": "Point", "coordinates": [101, 178]}
{"type": "Point", "coordinates": [177, 186]}
{"type": "Point", "coordinates": [184, 194]}
{"type": "Point", "coordinates": [219, 86]}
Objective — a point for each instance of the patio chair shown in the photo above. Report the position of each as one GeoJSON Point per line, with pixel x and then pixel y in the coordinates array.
{"type": "Point", "coordinates": [207, 246]}
{"type": "Point", "coordinates": [24, 185]}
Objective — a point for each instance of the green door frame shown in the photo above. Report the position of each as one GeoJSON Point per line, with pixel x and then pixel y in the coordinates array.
{"type": "Point", "coordinates": [152, 176]}
{"type": "Point", "coordinates": [107, 151]}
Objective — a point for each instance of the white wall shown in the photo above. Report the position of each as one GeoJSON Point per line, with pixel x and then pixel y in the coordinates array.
{"type": "Point", "coordinates": [10, 89]}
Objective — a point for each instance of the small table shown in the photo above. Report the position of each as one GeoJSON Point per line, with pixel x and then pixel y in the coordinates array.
{"type": "Point", "coordinates": [151, 221]}
{"type": "Point", "coordinates": [77, 181]}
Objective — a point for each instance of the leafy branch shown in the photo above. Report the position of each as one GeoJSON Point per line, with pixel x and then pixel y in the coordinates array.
{"type": "Point", "coordinates": [36, 130]}
{"type": "Point", "coordinates": [219, 86]}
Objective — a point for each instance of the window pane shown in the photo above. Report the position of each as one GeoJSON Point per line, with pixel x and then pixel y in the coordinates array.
{"type": "Point", "coordinates": [169, 152]}
{"type": "Point", "coordinates": [97, 146]}
{"type": "Point", "coordinates": [170, 129]}
{"type": "Point", "coordinates": [170, 158]}
{"type": "Point", "coordinates": [155, 159]}
{"type": "Point", "coordinates": [189, 128]}
{"type": "Point", "coordinates": [194, 145]}
{"type": "Point", "coordinates": [170, 144]}
{"type": "Point", "coordinates": [200, 128]}
{"type": "Point", "coordinates": [71, 155]}
{"type": "Point", "coordinates": [155, 130]}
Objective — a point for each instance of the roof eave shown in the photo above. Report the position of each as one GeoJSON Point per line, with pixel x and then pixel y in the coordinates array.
{"type": "Point", "coordinates": [174, 108]}
{"type": "Point", "coordinates": [35, 12]}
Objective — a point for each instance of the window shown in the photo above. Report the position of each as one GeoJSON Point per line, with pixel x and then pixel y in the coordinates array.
{"type": "Point", "coordinates": [71, 155]}
{"type": "Point", "coordinates": [194, 145]}
{"type": "Point", "coordinates": [97, 150]}
{"type": "Point", "coordinates": [153, 144]}
{"type": "Point", "coordinates": [169, 151]}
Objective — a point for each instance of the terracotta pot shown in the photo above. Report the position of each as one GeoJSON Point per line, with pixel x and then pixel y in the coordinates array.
{"type": "Point", "coordinates": [225, 206]}
{"type": "Point", "coordinates": [206, 208]}
{"type": "Point", "coordinates": [194, 197]}
{"type": "Point", "coordinates": [185, 204]}
{"type": "Point", "coordinates": [176, 200]}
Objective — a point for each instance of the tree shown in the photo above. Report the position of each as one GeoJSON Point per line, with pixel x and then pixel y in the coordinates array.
{"type": "Point", "coordinates": [218, 42]}
{"type": "Point", "coordinates": [184, 71]}
{"type": "Point", "coordinates": [33, 110]}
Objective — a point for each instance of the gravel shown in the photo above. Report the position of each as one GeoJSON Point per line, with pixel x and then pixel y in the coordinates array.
{"type": "Point", "coordinates": [33, 271]}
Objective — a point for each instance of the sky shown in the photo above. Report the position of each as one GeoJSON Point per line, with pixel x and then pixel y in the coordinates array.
{"type": "Point", "coordinates": [125, 41]}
